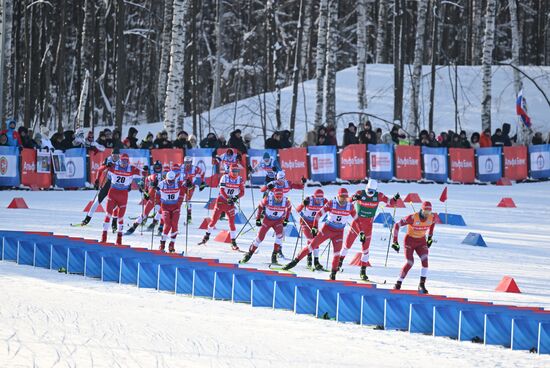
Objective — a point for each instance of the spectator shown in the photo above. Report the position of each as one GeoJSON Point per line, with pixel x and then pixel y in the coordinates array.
{"type": "Point", "coordinates": [3, 139]}
{"type": "Point", "coordinates": [432, 140]}
{"type": "Point", "coordinates": [537, 138]}
{"type": "Point", "coordinates": [367, 137]}
{"type": "Point", "coordinates": [162, 140]}
{"type": "Point", "coordinates": [78, 139]}
{"type": "Point", "coordinates": [474, 140]}
{"type": "Point", "coordinates": [403, 140]}
{"type": "Point", "coordinates": [506, 134]}
{"type": "Point", "coordinates": [222, 141]}
{"type": "Point", "coordinates": [464, 140]}
{"type": "Point", "coordinates": [147, 143]}
{"type": "Point", "coordinates": [236, 141]}
{"type": "Point", "coordinates": [443, 139]}
{"type": "Point", "coordinates": [117, 139]}
{"type": "Point", "coordinates": [322, 140]}
{"type": "Point", "coordinates": [67, 142]}
{"type": "Point", "coordinates": [102, 140]}
{"type": "Point", "coordinates": [181, 141]}
{"type": "Point", "coordinates": [193, 141]}
{"type": "Point", "coordinates": [274, 141]}
{"type": "Point", "coordinates": [57, 141]}
{"type": "Point", "coordinates": [13, 136]}
{"type": "Point", "coordinates": [422, 139]}
{"type": "Point", "coordinates": [211, 141]}
{"type": "Point", "coordinates": [321, 132]}
{"type": "Point", "coordinates": [485, 139]}
{"type": "Point", "coordinates": [498, 138]}
{"type": "Point", "coordinates": [311, 138]}
{"type": "Point", "coordinates": [108, 138]}
{"type": "Point", "coordinates": [455, 142]}
{"type": "Point", "coordinates": [379, 136]}
{"type": "Point", "coordinates": [247, 140]}
{"type": "Point", "coordinates": [285, 139]}
{"type": "Point", "coordinates": [26, 140]}
{"type": "Point", "coordinates": [131, 140]}
{"type": "Point", "coordinates": [45, 138]}
{"type": "Point", "coordinates": [392, 137]}
{"type": "Point", "coordinates": [331, 137]}
{"type": "Point", "coordinates": [91, 145]}
{"type": "Point", "coordinates": [350, 135]}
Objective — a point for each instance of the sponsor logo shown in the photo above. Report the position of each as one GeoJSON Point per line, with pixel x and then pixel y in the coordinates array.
{"type": "Point", "coordinates": [489, 165]}
{"type": "Point", "coordinates": [434, 163]}
{"type": "Point", "coordinates": [515, 161]}
{"type": "Point", "coordinates": [29, 166]}
{"type": "Point", "coordinates": [462, 164]}
{"type": "Point", "coordinates": [71, 169]}
{"type": "Point", "coordinates": [325, 164]}
{"type": "Point", "coordinates": [407, 161]}
{"type": "Point", "coordinates": [294, 164]}
{"type": "Point", "coordinates": [540, 162]}
{"type": "Point", "coordinates": [351, 161]}
{"type": "Point", "coordinates": [3, 165]}
{"type": "Point", "coordinates": [380, 161]}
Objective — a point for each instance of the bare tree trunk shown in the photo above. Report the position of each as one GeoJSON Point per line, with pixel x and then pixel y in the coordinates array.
{"type": "Point", "coordinates": [398, 62]}
{"type": "Point", "coordinates": [216, 87]}
{"type": "Point", "coordinates": [80, 112]}
{"type": "Point", "coordinates": [5, 59]}
{"type": "Point", "coordinates": [305, 60]}
{"type": "Point", "coordinates": [512, 6]}
{"type": "Point", "coordinates": [165, 54]}
{"type": "Point", "coordinates": [413, 123]}
{"type": "Point", "coordinates": [488, 46]}
{"type": "Point", "coordinates": [330, 75]}
{"type": "Point", "coordinates": [174, 88]}
{"type": "Point", "coordinates": [476, 32]}
{"type": "Point", "coordinates": [435, 26]}
{"type": "Point", "coordinates": [361, 53]}
{"type": "Point", "coordinates": [297, 68]}
{"type": "Point", "coordinates": [29, 15]}
{"type": "Point", "coordinates": [381, 51]}
{"type": "Point", "coordinates": [60, 67]}
{"type": "Point", "coordinates": [321, 60]}
{"type": "Point", "coordinates": [121, 65]}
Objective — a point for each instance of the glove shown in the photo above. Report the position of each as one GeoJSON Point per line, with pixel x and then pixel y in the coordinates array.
{"type": "Point", "coordinates": [96, 184]}
{"type": "Point", "coordinates": [109, 164]}
{"type": "Point", "coordinates": [188, 183]}
{"type": "Point", "coordinates": [429, 241]}
{"type": "Point", "coordinates": [304, 180]}
{"type": "Point", "coordinates": [270, 185]}
{"type": "Point", "coordinates": [249, 168]}
{"type": "Point", "coordinates": [285, 222]}
{"type": "Point", "coordinates": [146, 196]}
{"type": "Point", "coordinates": [202, 186]}
{"type": "Point", "coordinates": [354, 197]}
{"type": "Point", "coordinates": [306, 202]}
{"type": "Point", "coordinates": [396, 196]}
{"type": "Point", "coordinates": [234, 199]}
{"type": "Point", "coordinates": [362, 237]}
{"type": "Point", "coordinates": [258, 222]}
{"type": "Point", "coordinates": [395, 246]}
{"type": "Point", "coordinates": [314, 231]}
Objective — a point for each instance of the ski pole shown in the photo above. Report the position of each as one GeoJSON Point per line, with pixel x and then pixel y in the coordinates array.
{"type": "Point", "coordinates": [328, 254]}
{"type": "Point", "coordinates": [153, 229]}
{"type": "Point", "coordinates": [247, 222]}
{"type": "Point", "coordinates": [412, 205]}
{"type": "Point", "coordinates": [142, 219]}
{"type": "Point", "coordinates": [186, 225]}
{"type": "Point", "coordinates": [389, 239]}
{"type": "Point", "coordinates": [296, 245]}
{"type": "Point", "coordinates": [210, 186]}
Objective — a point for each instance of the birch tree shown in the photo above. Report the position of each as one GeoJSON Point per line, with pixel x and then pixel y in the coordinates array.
{"type": "Point", "coordinates": [488, 46]}
{"type": "Point", "coordinates": [361, 53]}
{"type": "Point", "coordinates": [330, 74]}
{"type": "Point", "coordinates": [5, 58]}
{"type": "Point", "coordinates": [512, 7]}
{"type": "Point", "coordinates": [305, 62]}
{"type": "Point", "coordinates": [121, 64]}
{"type": "Point", "coordinates": [320, 60]}
{"type": "Point", "coordinates": [216, 86]}
{"type": "Point", "coordinates": [297, 68]}
{"type": "Point", "coordinates": [174, 87]}
{"type": "Point", "coordinates": [165, 49]}
{"type": "Point", "coordinates": [413, 127]}
{"type": "Point", "coordinates": [476, 32]}
{"type": "Point", "coordinates": [381, 51]}
{"type": "Point", "coordinates": [80, 112]}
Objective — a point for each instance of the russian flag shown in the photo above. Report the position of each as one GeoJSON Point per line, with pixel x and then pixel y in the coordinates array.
{"type": "Point", "coordinates": [521, 109]}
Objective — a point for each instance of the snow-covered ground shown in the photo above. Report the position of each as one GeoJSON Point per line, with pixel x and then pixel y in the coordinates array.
{"type": "Point", "coordinates": [246, 113]}
{"type": "Point", "coordinates": [48, 318]}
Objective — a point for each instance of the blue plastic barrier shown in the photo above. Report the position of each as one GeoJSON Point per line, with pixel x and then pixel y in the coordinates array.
{"type": "Point", "coordinates": [283, 297]}
{"type": "Point", "coordinates": [396, 313]}
{"type": "Point", "coordinates": [241, 288]}
{"type": "Point", "coordinates": [261, 293]}
{"type": "Point", "coordinates": [223, 285]}
{"type": "Point", "coordinates": [42, 255]}
{"type": "Point", "coordinates": [327, 303]}
{"type": "Point", "coordinates": [203, 283]}
{"type": "Point", "coordinates": [92, 263]}
{"type": "Point", "coordinates": [471, 325]}
{"type": "Point", "coordinates": [147, 275]}
{"type": "Point", "coordinates": [75, 260]}
{"type": "Point", "coordinates": [543, 343]}
{"type": "Point", "coordinates": [445, 321]}
{"type": "Point", "coordinates": [372, 310]}
{"type": "Point", "coordinates": [240, 218]}
{"type": "Point", "coordinates": [451, 219]}
{"type": "Point", "coordinates": [421, 318]}
{"type": "Point", "coordinates": [349, 307]}
{"type": "Point", "coordinates": [385, 219]}
{"type": "Point", "coordinates": [474, 239]}
{"type": "Point", "coordinates": [291, 231]}
{"type": "Point", "coordinates": [129, 271]}
{"type": "Point", "coordinates": [184, 281]}
{"type": "Point", "coordinates": [9, 251]}
{"type": "Point", "coordinates": [167, 277]}
{"type": "Point", "coordinates": [524, 334]}
{"type": "Point", "coordinates": [110, 268]}
{"type": "Point", "coordinates": [305, 300]}
{"type": "Point", "coordinates": [25, 253]}
{"type": "Point", "coordinates": [59, 257]}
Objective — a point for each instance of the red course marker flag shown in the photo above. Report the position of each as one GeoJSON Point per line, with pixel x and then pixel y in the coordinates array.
{"type": "Point", "coordinates": [443, 196]}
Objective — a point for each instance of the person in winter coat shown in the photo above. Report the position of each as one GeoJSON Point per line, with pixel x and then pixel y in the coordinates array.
{"type": "Point", "coordinates": [108, 143]}
{"type": "Point", "coordinates": [117, 139]}
{"type": "Point", "coordinates": [193, 141]}
{"type": "Point", "coordinates": [147, 143]}
{"type": "Point", "coordinates": [331, 137]}
{"type": "Point", "coordinates": [464, 140]}
{"type": "Point", "coordinates": [392, 137]}
{"type": "Point", "coordinates": [131, 140]}
{"type": "Point", "coordinates": [102, 139]}
{"type": "Point", "coordinates": [285, 139]}
{"type": "Point", "coordinates": [162, 140]}
{"type": "Point", "coordinates": [181, 140]}
{"type": "Point", "coordinates": [474, 140]}
{"type": "Point", "coordinates": [506, 135]}
{"type": "Point", "coordinates": [247, 141]}
{"type": "Point", "coordinates": [422, 139]}
{"type": "Point", "coordinates": [498, 139]}
{"type": "Point", "coordinates": [273, 142]}
{"type": "Point", "coordinates": [211, 141]}
{"type": "Point", "coordinates": [57, 141]}
{"type": "Point", "coordinates": [3, 139]}
{"type": "Point", "coordinates": [223, 141]}
{"type": "Point", "coordinates": [485, 139]}
{"type": "Point", "coordinates": [13, 135]}
{"type": "Point", "coordinates": [26, 140]}
{"type": "Point", "coordinates": [537, 138]}
{"type": "Point", "coordinates": [236, 141]}
{"type": "Point", "coordinates": [350, 135]}
{"type": "Point", "coordinates": [67, 142]}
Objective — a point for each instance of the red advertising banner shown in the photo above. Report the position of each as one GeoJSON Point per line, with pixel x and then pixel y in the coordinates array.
{"type": "Point", "coordinates": [407, 163]}
{"type": "Point", "coordinates": [167, 155]}
{"type": "Point", "coordinates": [96, 160]}
{"type": "Point", "coordinates": [242, 162]}
{"type": "Point", "coordinates": [462, 165]}
{"type": "Point", "coordinates": [515, 162]}
{"type": "Point", "coordinates": [29, 176]}
{"type": "Point", "coordinates": [353, 162]}
{"type": "Point", "coordinates": [294, 162]}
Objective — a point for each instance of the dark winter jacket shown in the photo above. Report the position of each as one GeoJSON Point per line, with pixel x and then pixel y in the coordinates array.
{"type": "Point", "coordinates": [285, 139]}
{"type": "Point", "coordinates": [26, 140]}
{"type": "Point", "coordinates": [237, 142]}
{"type": "Point", "coordinates": [506, 134]}
{"type": "Point", "coordinates": [537, 139]}
{"type": "Point", "coordinates": [210, 141]}
{"type": "Point", "coordinates": [162, 143]}
{"type": "Point", "coordinates": [67, 142]}
{"type": "Point", "coordinates": [272, 143]}
{"type": "Point", "coordinates": [182, 143]}
{"type": "Point", "coordinates": [131, 141]}
{"type": "Point", "coordinates": [498, 139]}
{"type": "Point", "coordinates": [57, 141]}
{"type": "Point", "coordinates": [349, 137]}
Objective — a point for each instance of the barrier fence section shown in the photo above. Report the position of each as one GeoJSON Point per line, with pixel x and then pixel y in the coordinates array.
{"type": "Point", "coordinates": [517, 328]}
{"type": "Point", "coordinates": [320, 163]}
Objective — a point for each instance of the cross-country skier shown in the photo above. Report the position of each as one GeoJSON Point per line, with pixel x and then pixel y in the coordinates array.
{"type": "Point", "coordinates": [280, 182]}
{"type": "Point", "coordinates": [121, 175]}
{"type": "Point", "coordinates": [170, 195]}
{"type": "Point", "coordinates": [191, 175]}
{"type": "Point", "coordinates": [227, 159]}
{"type": "Point", "coordinates": [267, 164]}
{"type": "Point", "coordinates": [231, 190]}
{"type": "Point", "coordinates": [418, 224]}
{"type": "Point", "coordinates": [337, 210]}
{"type": "Point", "coordinates": [308, 210]}
{"type": "Point", "coordinates": [366, 203]}
{"type": "Point", "coordinates": [103, 183]}
{"type": "Point", "coordinates": [277, 209]}
{"type": "Point", "coordinates": [151, 181]}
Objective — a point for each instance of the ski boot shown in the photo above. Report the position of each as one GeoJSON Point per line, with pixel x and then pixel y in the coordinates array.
{"type": "Point", "coordinates": [291, 264]}
{"type": "Point", "coordinates": [204, 239]}
{"type": "Point", "coordinates": [422, 286]}
{"type": "Point", "coordinates": [234, 245]}
{"type": "Point", "coordinates": [171, 247]}
{"type": "Point", "coordinates": [131, 230]}
{"type": "Point", "coordinates": [85, 221]}
{"type": "Point", "coordinates": [162, 245]}
{"type": "Point", "coordinates": [317, 266]}
{"type": "Point", "coordinates": [397, 285]}
{"type": "Point", "coordinates": [340, 263]}
{"type": "Point", "coordinates": [104, 237]}
{"type": "Point", "coordinates": [274, 260]}
{"type": "Point", "coordinates": [363, 274]}
{"type": "Point", "coordinates": [114, 225]}
{"type": "Point", "coordinates": [152, 225]}
{"type": "Point", "coordinates": [333, 275]}
{"type": "Point", "coordinates": [246, 257]}
{"type": "Point", "coordinates": [280, 253]}
{"type": "Point", "coordinates": [309, 261]}
{"type": "Point", "coordinates": [119, 239]}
